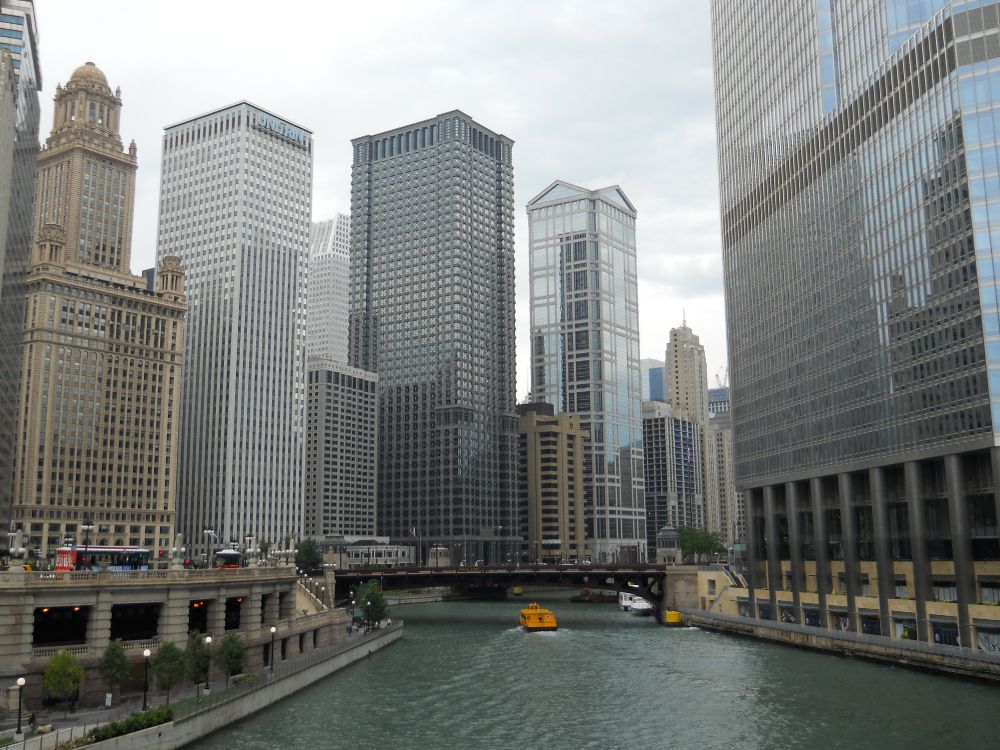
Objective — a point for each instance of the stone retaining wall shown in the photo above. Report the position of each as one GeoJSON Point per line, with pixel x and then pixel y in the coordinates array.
{"type": "Point", "coordinates": [952, 660]}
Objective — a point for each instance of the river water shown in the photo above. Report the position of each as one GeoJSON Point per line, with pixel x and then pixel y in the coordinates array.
{"type": "Point", "coordinates": [465, 676]}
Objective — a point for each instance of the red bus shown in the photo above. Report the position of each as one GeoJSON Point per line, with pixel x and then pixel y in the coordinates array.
{"type": "Point", "coordinates": [102, 558]}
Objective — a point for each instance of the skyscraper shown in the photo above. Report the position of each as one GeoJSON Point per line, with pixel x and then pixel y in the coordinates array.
{"type": "Point", "coordinates": [432, 311]}
{"type": "Point", "coordinates": [585, 348]}
{"type": "Point", "coordinates": [341, 450]}
{"type": "Point", "coordinates": [652, 379]}
{"type": "Point", "coordinates": [672, 456]}
{"type": "Point", "coordinates": [20, 38]}
{"type": "Point", "coordinates": [328, 304]}
{"type": "Point", "coordinates": [99, 400]}
{"type": "Point", "coordinates": [686, 374]}
{"type": "Point", "coordinates": [235, 203]}
{"type": "Point", "coordinates": [860, 203]}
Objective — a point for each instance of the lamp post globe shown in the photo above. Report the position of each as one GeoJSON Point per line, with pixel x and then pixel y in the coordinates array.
{"type": "Point", "coordinates": [145, 680]}
{"type": "Point", "coordinates": [20, 692]}
{"type": "Point", "coordinates": [271, 660]}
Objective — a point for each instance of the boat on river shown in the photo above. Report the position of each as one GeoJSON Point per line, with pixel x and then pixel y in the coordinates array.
{"type": "Point", "coordinates": [641, 607]}
{"type": "Point", "coordinates": [593, 597]}
{"type": "Point", "coordinates": [535, 618]}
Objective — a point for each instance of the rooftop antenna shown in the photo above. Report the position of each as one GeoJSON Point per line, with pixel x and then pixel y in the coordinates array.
{"type": "Point", "coordinates": [684, 317]}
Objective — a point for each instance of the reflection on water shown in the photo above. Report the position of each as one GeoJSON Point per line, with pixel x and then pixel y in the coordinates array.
{"type": "Point", "coordinates": [464, 677]}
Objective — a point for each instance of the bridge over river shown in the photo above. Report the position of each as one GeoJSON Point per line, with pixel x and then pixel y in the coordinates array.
{"type": "Point", "coordinates": [664, 586]}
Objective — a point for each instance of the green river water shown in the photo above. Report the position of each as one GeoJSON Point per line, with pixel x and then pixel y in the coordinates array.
{"type": "Point", "coordinates": [465, 676]}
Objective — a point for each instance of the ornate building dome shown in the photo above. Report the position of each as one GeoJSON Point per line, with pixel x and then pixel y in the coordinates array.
{"type": "Point", "coordinates": [90, 73]}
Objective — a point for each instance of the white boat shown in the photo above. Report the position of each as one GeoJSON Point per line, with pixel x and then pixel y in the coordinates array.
{"type": "Point", "coordinates": [626, 600]}
{"type": "Point", "coordinates": [641, 607]}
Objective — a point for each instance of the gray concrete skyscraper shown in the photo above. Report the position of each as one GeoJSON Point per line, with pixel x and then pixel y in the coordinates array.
{"type": "Point", "coordinates": [432, 311]}
{"type": "Point", "coordinates": [585, 349]}
{"type": "Point", "coordinates": [327, 307]}
{"type": "Point", "coordinates": [860, 204]}
{"type": "Point", "coordinates": [235, 204]}
{"type": "Point", "coordinates": [20, 37]}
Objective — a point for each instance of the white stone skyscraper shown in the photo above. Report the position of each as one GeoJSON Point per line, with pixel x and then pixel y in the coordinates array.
{"type": "Point", "coordinates": [585, 349]}
{"type": "Point", "coordinates": [686, 374]}
{"type": "Point", "coordinates": [235, 205]}
{"type": "Point", "coordinates": [328, 307]}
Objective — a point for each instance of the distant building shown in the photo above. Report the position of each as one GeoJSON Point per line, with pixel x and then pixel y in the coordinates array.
{"type": "Point", "coordinates": [725, 510]}
{"type": "Point", "coordinates": [99, 407]}
{"type": "Point", "coordinates": [652, 379]}
{"type": "Point", "coordinates": [20, 37]}
{"type": "Point", "coordinates": [341, 450]}
{"type": "Point", "coordinates": [432, 311]}
{"type": "Point", "coordinates": [550, 486]}
{"type": "Point", "coordinates": [672, 455]}
{"type": "Point", "coordinates": [235, 204]}
{"type": "Point", "coordinates": [686, 374]}
{"type": "Point", "coordinates": [718, 400]}
{"type": "Point", "coordinates": [585, 348]}
{"type": "Point", "coordinates": [328, 305]}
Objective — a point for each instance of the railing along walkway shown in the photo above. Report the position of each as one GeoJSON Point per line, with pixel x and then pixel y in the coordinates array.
{"type": "Point", "coordinates": [192, 706]}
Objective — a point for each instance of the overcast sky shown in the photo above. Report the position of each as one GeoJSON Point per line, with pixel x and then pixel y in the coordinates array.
{"type": "Point", "coordinates": [595, 93]}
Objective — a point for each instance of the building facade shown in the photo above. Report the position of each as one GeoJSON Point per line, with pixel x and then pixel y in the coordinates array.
{"type": "Point", "coordinates": [551, 523]}
{"type": "Point", "coordinates": [432, 311]}
{"type": "Point", "coordinates": [686, 374]}
{"type": "Point", "coordinates": [672, 455]}
{"type": "Point", "coordinates": [718, 400]}
{"type": "Point", "coordinates": [99, 401]}
{"type": "Point", "coordinates": [652, 379]}
{"type": "Point", "coordinates": [585, 348]}
{"type": "Point", "coordinates": [19, 36]}
{"type": "Point", "coordinates": [235, 203]}
{"type": "Point", "coordinates": [328, 301]}
{"type": "Point", "coordinates": [341, 450]}
{"type": "Point", "coordinates": [725, 512]}
{"type": "Point", "coordinates": [859, 192]}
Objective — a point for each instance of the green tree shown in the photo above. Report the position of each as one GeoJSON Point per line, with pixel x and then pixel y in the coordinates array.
{"type": "Point", "coordinates": [169, 667]}
{"type": "Point", "coordinates": [197, 657]}
{"type": "Point", "coordinates": [308, 556]}
{"type": "Point", "coordinates": [369, 599]}
{"type": "Point", "coordinates": [231, 654]}
{"type": "Point", "coordinates": [698, 543]}
{"type": "Point", "coordinates": [62, 677]}
{"type": "Point", "coordinates": [114, 666]}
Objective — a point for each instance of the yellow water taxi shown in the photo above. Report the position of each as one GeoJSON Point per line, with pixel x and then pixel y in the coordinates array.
{"type": "Point", "coordinates": [673, 617]}
{"type": "Point", "coordinates": [535, 618]}
{"type": "Point", "coordinates": [516, 589]}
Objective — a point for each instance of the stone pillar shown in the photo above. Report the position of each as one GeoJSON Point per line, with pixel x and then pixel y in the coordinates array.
{"type": "Point", "coordinates": [795, 548]}
{"type": "Point", "coordinates": [217, 615]}
{"type": "Point", "coordinates": [918, 546]}
{"type": "Point", "coordinates": [271, 613]}
{"type": "Point", "coordinates": [883, 547]}
{"type": "Point", "coordinates": [849, 540]}
{"type": "Point", "coordinates": [961, 545]}
{"type": "Point", "coordinates": [250, 612]}
{"type": "Point", "coordinates": [771, 540]}
{"type": "Point", "coordinates": [754, 553]}
{"type": "Point", "coordinates": [99, 623]}
{"type": "Point", "coordinates": [173, 625]}
{"type": "Point", "coordinates": [17, 623]}
{"type": "Point", "coordinates": [822, 545]}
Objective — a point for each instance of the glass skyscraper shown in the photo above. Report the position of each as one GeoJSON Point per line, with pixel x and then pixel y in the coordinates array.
{"type": "Point", "coordinates": [859, 159]}
{"type": "Point", "coordinates": [585, 349]}
{"type": "Point", "coordinates": [432, 311]}
{"type": "Point", "coordinates": [235, 204]}
{"type": "Point", "coordinates": [18, 35]}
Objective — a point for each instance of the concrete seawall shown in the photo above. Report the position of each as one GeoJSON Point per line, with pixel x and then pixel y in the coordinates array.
{"type": "Point", "coordinates": [951, 660]}
{"type": "Point", "coordinates": [289, 679]}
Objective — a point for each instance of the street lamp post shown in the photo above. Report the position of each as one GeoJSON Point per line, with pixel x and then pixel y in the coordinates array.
{"type": "Point", "coordinates": [208, 674]}
{"type": "Point", "coordinates": [273, 631]}
{"type": "Point", "coordinates": [145, 681]}
{"type": "Point", "coordinates": [20, 692]}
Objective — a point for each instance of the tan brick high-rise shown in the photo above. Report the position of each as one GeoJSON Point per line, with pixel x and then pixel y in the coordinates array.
{"type": "Point", "coordinates": [100, 385]}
